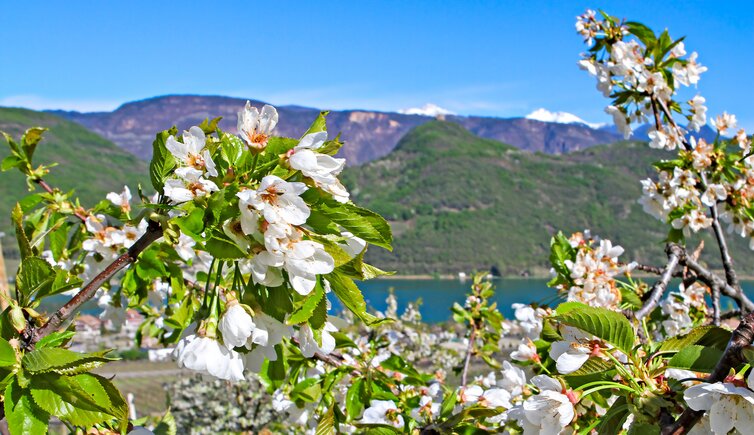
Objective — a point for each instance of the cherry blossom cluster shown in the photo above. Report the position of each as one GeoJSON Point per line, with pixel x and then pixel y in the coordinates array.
{"type": "Point", "coordinates": [592, 271]}
{"type": "Point", "coordinates": [639, 79]}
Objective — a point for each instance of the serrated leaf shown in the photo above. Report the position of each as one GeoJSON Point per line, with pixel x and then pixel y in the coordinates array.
{"type": "Point", "coordinates": [361, 222]}
{"type": "Point", "coordinates": [696, 358]}
{"type": "Point", "coordinates": [593, 365]}
{"type": "Point", "coordinates": [351, 297]}
{"type": "Point", "coordinates": [708, 335]}
{"type": "Point", "coordinates": [7, 354]}
{"type": "Point", "coordinates": [24, 247]}
{"type": "Point", "coordinates": [358, 269]}
{"type": "Point", "coordinates": [644, 33]}
{"type": "Point", "coordinates": [62, 360]}
{"type": "Point", "coordinates": [166, 426]}
{"type": "Point", "coordinates": [34, 275]}
{"type": "Point", "coordinates": [608, 325]}
{"type": "Point", "coordinates": [30, 140]}
{"type": "Point", "coordinates": [21, 413]}
{"type": "Point", "coordinates": [326, 424]}
{"type": "Point", "coordinates": [319, 316]}
{"type": "Point", "coordinates": [55, 339]}
{"type": "Point", "coordinates": [162, 163]}
{"type": "Point", "coordinates": [81, 400]}
{"type": "Point", "coordinates": [306, 308]}
{"type": "Point", "coordinates": [612, 422]}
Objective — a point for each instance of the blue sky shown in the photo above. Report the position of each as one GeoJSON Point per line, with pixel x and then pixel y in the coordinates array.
{"type": "Point", "coordinates": [471, 57]}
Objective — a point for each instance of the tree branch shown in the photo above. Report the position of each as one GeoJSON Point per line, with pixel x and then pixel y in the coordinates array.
{"type": "Point", "coordinates": [154, 232]}
{"type": "Point", "coordinates": [674, 255]}
{"type": "Point", "coordinates": [732, 357]}
{"type": "Point", "coordinates": [469, 351]}
{"type": "Point", "coordinates": [718, 284]}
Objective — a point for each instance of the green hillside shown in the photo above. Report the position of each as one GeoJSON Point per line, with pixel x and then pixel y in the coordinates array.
{"type": "Point", "coordinates": [459, 203]}
{"type": "Point", "coordinates": [89, 164]}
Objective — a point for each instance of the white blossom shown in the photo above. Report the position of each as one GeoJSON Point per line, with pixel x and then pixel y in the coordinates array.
{"type": "Point", "coordinates": [383, 412]}
{"type": "Point", "coordinates": [256, 127]}
{"type": "Point", "coordinates": [206, 355]}
{"type": "Point", "coordinates": [236, 325]}
{"type": "Point", "coordinates": [191, 152]}
{"type": "Point", "coordinates": [188, 185]}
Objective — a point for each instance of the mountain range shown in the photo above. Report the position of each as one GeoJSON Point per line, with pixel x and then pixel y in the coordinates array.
{"type": "Point", "coordinates": [369, 134]}
{"type": "Point", "coordinates": [458, 197]}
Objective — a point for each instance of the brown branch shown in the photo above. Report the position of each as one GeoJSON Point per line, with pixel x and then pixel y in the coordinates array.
{"type": "Point", "coordinates": [718, 284]}
{"type": "Point", "coordinates": [154, 232]}
{"type": "Point", "coordinates": [469, 351]}
{"type": "Point", "coordinates": [674, 255]}
{"type": "Point", "coordinates": [334, 359]}
{"type": "Point", "coordinates": [732, 357]}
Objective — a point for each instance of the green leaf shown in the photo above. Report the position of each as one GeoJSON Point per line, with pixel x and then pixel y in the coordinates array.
{"type": "Point", "coordinates": [163, 162]}
{"type": "Point", "coordinates": [64, 361]}
{"type": "Point", "coordinates": [319, 316]}
{"type": "Point", "coordinates": [560, 251]}
{"type": "Point", "coordinates": [10, 162]}
{"type": "Point", "coordinates": [319, 124]}
{"type": "Point", "coordinates": [361, 222]}
{"type": "Point", "coordinates": [644, 33]}
{"type": "Point", "coordinates": [166, 426]}
{"type": "Point", "coordinates": [593, 365]}
{"type": "Point", "coordinates": [357, 269]}
{"type": "Point", "coordinates": [351, 297]}
{"type": "Point", "coordinates": [7, 354]}
{"type": "Point", "coordinates": [30, 139]}
{"type": "Point", "coordinates": [84, 400]}
{"type": "Point", "coordinates": [326, 424]}
{"type": "Point", "coordinates": [307, 390]}
{"type": "Point", "coordinates": [305, 309]}
{"type": "Point", "coordinates": [696, 358]}
{"type": "Point", "coordinates": [21, 413]}
{"type": "Point", "coordinates": [356, 397]}
{"type": "Point", "coordinates": [608, 325]}
{"type": "Point", "coordinates": [149, 267]}
{"type": "Point", "coordinates": [34, 275]}
{"type": "Point", "coordinates": [222, 248]}
{"type": "Point", "coordinates": [708, 335]}
{"type": "Point", "coordinates": [24, 246]}
{"type": "Point", "coordinates": [55, 339]}
{"type": "Point", "coordinates": [612, 422]}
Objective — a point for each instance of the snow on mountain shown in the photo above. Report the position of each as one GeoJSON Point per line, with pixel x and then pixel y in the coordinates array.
{"type": "Point", "coordinates": [428, 109]}
{"type": "Point", "coordinates": [560, 117]}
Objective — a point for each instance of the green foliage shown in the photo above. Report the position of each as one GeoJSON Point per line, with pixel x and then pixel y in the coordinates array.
{"type": "Point", "coordinates": [611, 326]}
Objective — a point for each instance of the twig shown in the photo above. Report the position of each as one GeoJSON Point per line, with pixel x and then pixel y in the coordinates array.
{"type": "Point", "coordinates": [469, 351]}
{"type": "Point", "coordinates": [714, 281]}
{"type": "Point", "coordinates": [334, 359]}
{"type": "Point", "coordinates": [674, 255]}
{"type": "Point", "coordinates": [154, 232]}
{"type": "Point", "coordinates": [715, 306]}
{"type": "Point", "coordinates": [732, 357]}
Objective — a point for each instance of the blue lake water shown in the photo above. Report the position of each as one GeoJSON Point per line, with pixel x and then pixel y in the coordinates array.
{"type": "Point", "coordinates": [437, 296]}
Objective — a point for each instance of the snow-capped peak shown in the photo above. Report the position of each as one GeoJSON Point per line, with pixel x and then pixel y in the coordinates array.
{"type": "Point", "coordinates": [428, 109]}
{"type": "Point", "coordinates": [560, 118]}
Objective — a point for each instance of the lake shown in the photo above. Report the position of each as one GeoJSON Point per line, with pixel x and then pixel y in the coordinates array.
{"type": "Point", "coordinates": [437, 296]}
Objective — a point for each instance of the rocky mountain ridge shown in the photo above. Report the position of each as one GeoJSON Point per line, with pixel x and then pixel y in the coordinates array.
{"type": "Point", "coordinates": [369, 135]}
